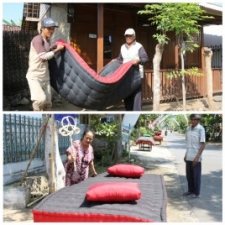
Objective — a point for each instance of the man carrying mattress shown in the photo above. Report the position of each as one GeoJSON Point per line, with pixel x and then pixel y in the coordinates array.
{"type": "Point", "coordinates": [132, 50]}
{"type": "Point", "coordinates": [38, 72]}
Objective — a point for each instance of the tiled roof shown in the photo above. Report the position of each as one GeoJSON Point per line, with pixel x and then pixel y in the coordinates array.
{"type": "Point", "coordinates": [11, 28]}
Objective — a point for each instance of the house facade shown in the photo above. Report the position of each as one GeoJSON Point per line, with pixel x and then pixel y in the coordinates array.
{"type": "Point", "coordinates": [96, 32]}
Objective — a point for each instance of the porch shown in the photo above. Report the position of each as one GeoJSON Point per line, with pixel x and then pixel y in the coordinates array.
{"type": "Point", "coordinates": [171, 89]}
{"type": "Point", "coordinates": [98, 43]}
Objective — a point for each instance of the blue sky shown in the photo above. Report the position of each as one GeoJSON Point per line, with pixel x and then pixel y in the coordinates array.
{"type": "Point", "coordinates": [12, 11]}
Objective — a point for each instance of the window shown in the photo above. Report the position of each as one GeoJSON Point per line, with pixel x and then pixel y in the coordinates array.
{"type": "Point", "coordinates": [107, 47]}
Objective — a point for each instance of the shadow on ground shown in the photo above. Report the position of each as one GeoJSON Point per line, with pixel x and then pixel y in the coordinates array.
{"type": "Point", "coordinates": [181, 209]}
{"type": "Point", "coordinates": [210, 201]}
{"type": "Point", "coordinates": [22, 215]}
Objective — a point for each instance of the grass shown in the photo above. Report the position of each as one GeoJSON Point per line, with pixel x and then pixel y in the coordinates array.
{"type": "Point", "coordinates": [103, 168]}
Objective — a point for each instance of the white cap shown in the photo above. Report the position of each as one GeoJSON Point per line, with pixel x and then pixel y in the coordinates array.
{"type": "Point", "coordinates": [129, 31]}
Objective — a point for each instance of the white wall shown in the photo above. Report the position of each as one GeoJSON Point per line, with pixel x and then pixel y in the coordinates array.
{"type": "Point", "coordinates": [213, 35]}
{"type": "Point", "coordinates": [13, 172]}
{"type": "Point", "coordinates": [58, 12]}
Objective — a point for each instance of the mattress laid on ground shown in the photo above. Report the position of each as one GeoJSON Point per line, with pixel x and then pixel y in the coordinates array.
{"type": "Point", "coordinates": [70, 205]}
{"type": "Point", "coordinates": [75, 81]}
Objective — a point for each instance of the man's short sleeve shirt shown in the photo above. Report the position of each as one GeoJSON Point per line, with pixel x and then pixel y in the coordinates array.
{"type": "Point", "coordinates": [194, 136]}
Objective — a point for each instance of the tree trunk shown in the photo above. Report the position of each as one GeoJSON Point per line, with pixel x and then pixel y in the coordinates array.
{"type": "Point", "coordinates": [183, 81]}
{"type": "Point", "coordinates": [209, 80]}
{"type": "Point", "coordinates": [118, 147]}
{"type": "Point", "coordinates": [53, 163]}
{"type": "Point", "coordinates": [156, 76]}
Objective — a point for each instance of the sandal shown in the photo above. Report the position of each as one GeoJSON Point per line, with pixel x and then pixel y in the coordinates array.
{"type": "Point", "coordinates": [187, 193]}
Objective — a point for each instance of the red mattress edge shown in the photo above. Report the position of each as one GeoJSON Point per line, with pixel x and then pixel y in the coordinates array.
{"type": "Point", "coordinates": [113, 78]}
{"type": "Point", "coordinates": [144, 142]}
{"type": "Point", "coordinates": [40, 216]}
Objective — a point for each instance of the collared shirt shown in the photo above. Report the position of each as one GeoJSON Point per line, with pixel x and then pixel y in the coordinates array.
{"type": "Point", "coordinates": [194, 137]}
{"type": "Point", "coordinates": [135, 52]}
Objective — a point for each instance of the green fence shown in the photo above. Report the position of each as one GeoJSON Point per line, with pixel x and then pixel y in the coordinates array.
{"type": "Point", "coordinates": [20, 135]}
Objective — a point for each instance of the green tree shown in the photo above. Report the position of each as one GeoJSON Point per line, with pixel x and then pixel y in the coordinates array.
{"type": "Point", "coordinates": [157, 11]}
{"type": "Point", "coordinates": [183, 122]}
{"type": "Point", "coordinates": [175, 122]}
{"type": "Point", "coordinates": [141, 126]}
{"type": "Point", "coordinates": [145, 118]}
{"type": "Point", "coordinates": [12, 23]}
{"type": "Point", "coordinates": [213, 126]}
{"type": "Point", "coordinates": [183, 19]}
{"type": "Point", "coordinates": [111, 133]}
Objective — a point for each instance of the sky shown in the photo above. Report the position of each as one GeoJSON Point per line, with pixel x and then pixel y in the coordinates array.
{"type": "Point", "coordinates": [12, 11]}
{"type": "Point", "coordinates": [31, 115]}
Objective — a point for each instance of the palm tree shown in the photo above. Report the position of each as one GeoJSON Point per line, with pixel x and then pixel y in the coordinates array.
{"type": "Point", "coordinates": [12, 23]}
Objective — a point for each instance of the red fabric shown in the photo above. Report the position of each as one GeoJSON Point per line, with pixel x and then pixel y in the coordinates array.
{"type": "Point", "coordinates": [158, 138]}
{"type": "Point", "coordinates": [116, 76]}
{"type": "Point", "coordinates": [114, 192]}
{"type": "Point", "coordinates": [126, 170]}
{"type": "Point", "coordinates": [144, 140]}
{"type": "Point", "coordinates": [40, 216]}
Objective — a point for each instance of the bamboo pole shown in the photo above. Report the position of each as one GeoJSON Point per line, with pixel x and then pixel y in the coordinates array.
{"type": "Point", "coordinates": [52, 155]}
{"type": "Point", "coordinates": [36, 200]}
{"type": "Point", "coordinates": [34, 151]}
{"type": "Point", "coordinates": [128, 141]}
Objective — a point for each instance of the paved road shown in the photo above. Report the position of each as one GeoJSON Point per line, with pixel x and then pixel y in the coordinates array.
{"type": "Point", "coordinates": [208, 208]}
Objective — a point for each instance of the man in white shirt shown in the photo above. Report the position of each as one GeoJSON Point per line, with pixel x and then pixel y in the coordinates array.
{"type": "Point", "coordinates": [133, 51]}
{"type": "Point", "coordinates": [195, 139]}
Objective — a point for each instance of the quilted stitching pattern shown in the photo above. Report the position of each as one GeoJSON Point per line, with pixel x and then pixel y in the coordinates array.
{"type": "Point", "coordinates": [151, 205]}
{"type": "Point", "coordinates": [75, 81]}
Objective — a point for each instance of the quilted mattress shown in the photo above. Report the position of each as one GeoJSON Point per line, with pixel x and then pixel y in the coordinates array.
{"type": "Point", "coordinates": [69, 203]}
{"type": "Point", "coordinates": [75, 81]}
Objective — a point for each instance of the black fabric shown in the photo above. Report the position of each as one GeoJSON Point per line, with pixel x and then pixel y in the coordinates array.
{"type": "Point", "coordinates": [134, 101]}
{"type": "Point", "coordinates": [74, 83]}
{"type": "Point", "coordinates": [151, 205]}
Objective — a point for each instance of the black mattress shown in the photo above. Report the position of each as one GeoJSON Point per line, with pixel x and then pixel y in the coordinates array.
{"type": "Point", "coordinates": [70, 201]}
{"type": "Point", "coordinates": [75, 81]}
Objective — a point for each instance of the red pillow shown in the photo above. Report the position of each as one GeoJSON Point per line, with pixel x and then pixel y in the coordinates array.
{"type": "Point", "coordinates": [114, 192]}
{"type": "Point", "coordinates": [126, 170]}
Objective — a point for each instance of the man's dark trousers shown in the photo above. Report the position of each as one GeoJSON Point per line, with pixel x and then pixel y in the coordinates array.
{"type": "Point", "coordinates": [193, 174]}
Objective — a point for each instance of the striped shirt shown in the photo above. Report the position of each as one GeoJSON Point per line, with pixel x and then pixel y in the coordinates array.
{"type": "Point", "coordinates": [194, 137]}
